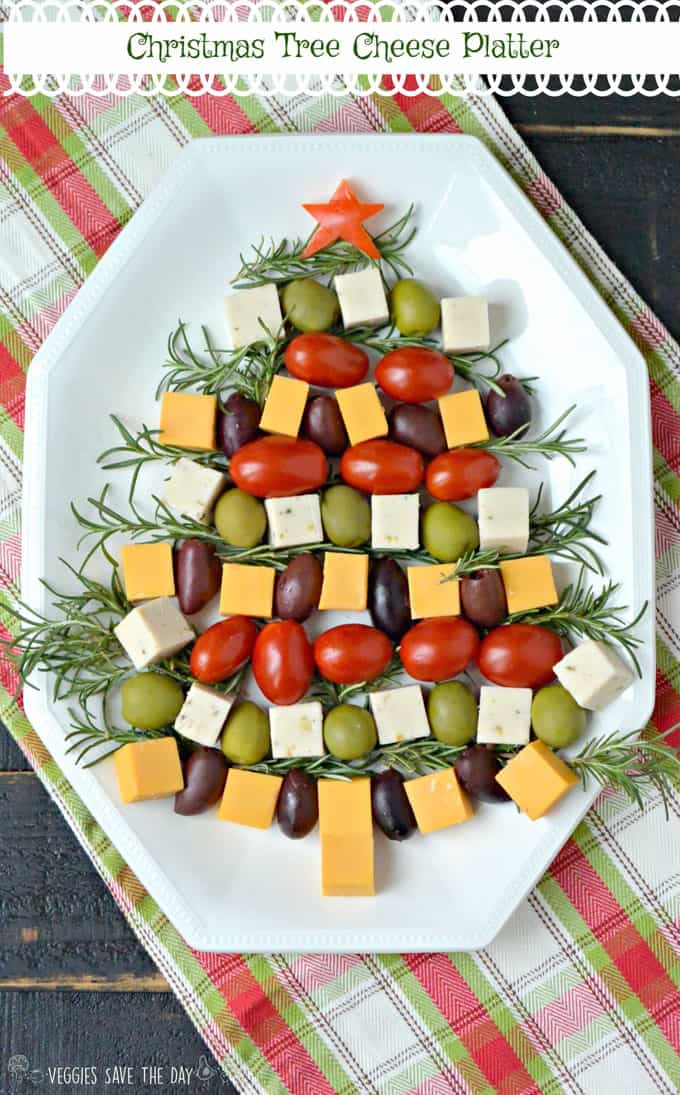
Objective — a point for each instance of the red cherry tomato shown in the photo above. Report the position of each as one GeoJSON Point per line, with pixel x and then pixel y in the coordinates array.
{"type": "Point", "coordinates": [352, 653]}
{"type": "Point", "coordinates": [283, 661]}
{"type": "Point", "coordinates": [437, 649]}
{"type": "Point", "coordinates": [325, 360]}
{"type": "Point", "coordinates": [460, 473]}
{"type": "Point", "coordinates": [414, 374]}
{"type": "Point", "coordinates": [382, 467]}
{"type": "Point", "coordinates": [275, 467]}
{"type": "Point", "coordinates": [222, 649]}
{"type": "Point", "coordinates": [519, 655]}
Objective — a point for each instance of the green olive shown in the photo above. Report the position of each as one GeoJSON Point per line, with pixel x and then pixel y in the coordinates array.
{"type": "Point", "coordinates": [245, 738]}
{"type": "Point", "coordinates": [415, 310]}
{"type": "Point", "coordinates": [240, 519]}
{"type": "Point", "coordinates": [310, 306]}
{"type": "Point", "coordinates": [448, 532]}
{"type": "Point", "coordinates": [452, 711]}
{"type": "Point", "coordinates": [346, 516]}
{"type": "Point", "coordinates": [150, 700]}
{"type": "Point", "coordinates": [349, 732]}
{"type": "Point", "coordinates": [556, 718]}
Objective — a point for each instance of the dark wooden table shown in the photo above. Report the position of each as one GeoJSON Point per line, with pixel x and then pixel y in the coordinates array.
{"type": "Point", "coordinates": [75, 986]}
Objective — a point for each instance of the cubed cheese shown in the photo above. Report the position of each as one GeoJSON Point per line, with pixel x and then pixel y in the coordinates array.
{"type": "Point", "coordinates": [465, 325]}
{"type": "Point", "coordinates": [593, 674]}
{"type": "Point", "coordinates": [536, 779]}
{"type": "Point", "coordinates": [394, 521]}
{"type": "Point", "coordinates": [346, 833]}
{"type": "Point", "coordinates": [503, 517]}
{"type": "Point", "coordinates": [188, 421]}
{"type": "Point", "coordinates": [345, 582]}
{"type": "Point", "coordinates": [148, 769]}
{"type": "Point", "coordinates": [153, 631]}
{"type": "Point", "coordinates": [284, 406]}
{"type": "Point", "coordinates": [294, 520]}
{"type": "Point", "coordinates": [147, 571]}
{"type": "Point", "coordinates": [438, 800]}
{"type": "Point", "coordinates": [362, 298]}
{"type": "Point", "coordinates": [504, 716]}
{"type": "Point", "coordinates": [297, 730]}
{"type": "Point", "coordinates": [433, 591]}
{"type": "Point", "coordinates": [528, 583]}
{"type": "Point", "coordinates": [248, 309]}
{"type": "Point", "coordinates": [399, 714]}
{"type": "Point", "coordinates": [362, 412]}
{"type": "Point", "coordinates": [247, 590]}
{"type": "Point", "coordinates": [193, 489]}
{"type": "Point", "coordinates": [203, 714]}
{"type": "Point", "coordinates": [249, 798]}
{"type": "Point", "coordinates": [463, 418]}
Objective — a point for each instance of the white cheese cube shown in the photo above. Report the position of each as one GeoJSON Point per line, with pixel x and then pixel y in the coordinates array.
{"type": "Point", "coordinates": [248, 310]}
{"type": "Point", "coordinates": [399, 714]}
{"type": "Point", "coordinates": [203, 714]}
{"type": "Point", "coordinates": [465, 325]}
{"type": "Point", "coordinates": [294, 520]}
{"type": "Point", "coordinates": [362, 298]}
{"type": "Point", "coordinates": [297, 730]}
{"type": "Point", "coordinates": [503, 518]}
{"type": "Point", "coordinates": [193, 489]}
{"type": "Point", "coordinates": [394, 521]}
{"type": "Point", "coordinates": [504, 716]}
{"type": "Point", "coordinates": [593, 674]}
{"type": "Point", "coordinates": [153, 631]}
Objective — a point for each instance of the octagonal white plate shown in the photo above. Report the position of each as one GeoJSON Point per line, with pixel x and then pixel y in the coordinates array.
{"type": "Point", "coordinates": [226, 887]}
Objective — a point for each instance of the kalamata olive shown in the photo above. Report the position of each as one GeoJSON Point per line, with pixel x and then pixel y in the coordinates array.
{"type": "Point", "coordinates": [417, 426]}
{"type": "Point", "coordinates": [482, 597]}
{"type": "Point", "coordinates": [388, 601]}
{"type": "Point", "coordinates": [323, 424]}
{"type": "Point", "coordinates": [391, 808]}
{"type": "Point", "coordinates": [205, 773]}
{"type": "Point", "coordinates": [198, 573]}
{"type": "Point", "coordinates": [238, 423]}
{"type": "Point", "coordinates": [477, 768]}
{"type": "Point", "coordinates": [298, 588]}
{"type": "Point", "coordinates": [505, 415]}
{"type": "Point", "coordinates": [297, 809]}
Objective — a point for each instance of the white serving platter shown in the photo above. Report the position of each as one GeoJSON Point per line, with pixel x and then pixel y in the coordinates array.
{"type": "Point", "coordinates": [228, 888]}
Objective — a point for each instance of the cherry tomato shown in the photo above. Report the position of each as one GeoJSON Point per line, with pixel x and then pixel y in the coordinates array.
{"type": "Point", "coordinates": [414, 374]}
{"type": "Point", "coordinates": [519, 655]}
{"type": "Point", "coordinates": [283, 661]}
{"type": "Point", "coordinates": [275, 467]}
{"type": "Point", "coordinates": [220, 650]}
{"type": "Point", "coordinates": [382, 467]}
{"type": "Point", "coordinates": [460, 473]}
{"type": "Point", "coordinates": [437, 649]}
{"type": "Point", "coordinates": [325, 360]}
{"type": "Point", "coordinates": [352, 653]}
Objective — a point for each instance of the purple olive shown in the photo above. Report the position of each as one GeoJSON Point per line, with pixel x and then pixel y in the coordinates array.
{"type": "Point", "coordinates": [297, 809]}
{"type": "Point", "coordinates": [482, 597]}
{"type": "Point", "coordinates": [238, 423]}
{"type": "Point", "coordinates": [205, 773]}
{"type": "Point", "coordinates": [323, 424]}
{"type": "Point", "coordinates": [198, 574]}
{"type": "Point", "coordinates": [417, 426]}
{"type": "Point", "coordinates": [477, 768]}
{"type": "Point", "coordinates": [391, 808]}
{"type": "Point", "coordinates": [507, 413]}
{"type": "Point", "coordinates": [388, 601]}
{"type": "Point", "coordinates": [298, 588]}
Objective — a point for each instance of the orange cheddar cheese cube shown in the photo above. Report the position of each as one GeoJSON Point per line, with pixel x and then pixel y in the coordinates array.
{"type": "Point", "coordinates": [346, 830]}
{"type": "Point", "coordinates": [345, 582]}
{"type": "Point", "coordinates": [432, 591]}
{"type": "Point", "coordinates": [249, 798]}
{"type": "Point", "coordinates": [463, 418]}
{"type": "Point", "coordinates": [438, 800]}
{"type": "Point", "coordinates": [188, 421]}
{"type": "Point", "coordinates": [362, 412]}
{"type": "Point", "coordinates": [147, 571]}
{"type": "Point", "coordinates": [247, 590]}
{"type": "Point", "coordinates": [284, 406]}
{"type": "Point", "coordinates": [148, 769]}
{"type": "Point", "coordinates": [536, 779]}
{"type": "Point", "coordinates": [529, 583]}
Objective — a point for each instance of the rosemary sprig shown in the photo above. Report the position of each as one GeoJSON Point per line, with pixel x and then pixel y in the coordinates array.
{"type": "Point", "coordinates": [570, 523]}
{"type": "Point", "coordinates": [325, 767]}
{"type": "Point", "coordinates": [87, 735]}
{"type": "Point", "coordinates": [552, 442]}
{"type": "Point", "coordinates": [630, 763]}
{"type": "Point", "coordinates": [418, 757]}
{"type": "Point", "coordinates": [248, 370]}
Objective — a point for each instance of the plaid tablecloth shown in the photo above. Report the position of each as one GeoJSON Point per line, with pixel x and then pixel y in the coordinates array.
{"type": "Point", "coordinates": [579, 992]}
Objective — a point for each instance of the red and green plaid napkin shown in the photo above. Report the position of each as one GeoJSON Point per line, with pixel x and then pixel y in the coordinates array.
{"type": "Point", "coordinates": [579, 993]}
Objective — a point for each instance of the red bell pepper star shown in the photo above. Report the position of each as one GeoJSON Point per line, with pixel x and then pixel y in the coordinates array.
{"type": "Point", "coordinates": [341, 219]}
